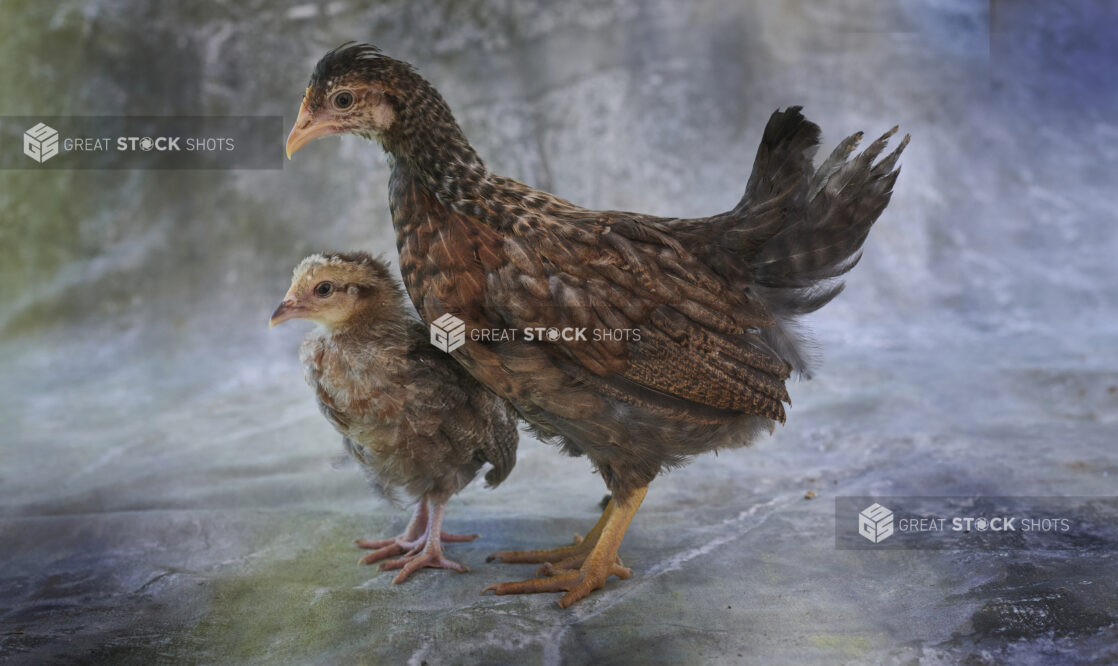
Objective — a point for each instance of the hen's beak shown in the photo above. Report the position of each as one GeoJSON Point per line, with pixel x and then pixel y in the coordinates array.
{"type": "Point", "coordinates": [288, 309]}
{"type": "Point", "coordinates": [308, 128]}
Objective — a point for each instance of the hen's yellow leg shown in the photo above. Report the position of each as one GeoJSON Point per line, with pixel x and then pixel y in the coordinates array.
{"type": "Point", "coordinates": [599, 564]}
{"type": "Point", "coordinates": [580, 548]}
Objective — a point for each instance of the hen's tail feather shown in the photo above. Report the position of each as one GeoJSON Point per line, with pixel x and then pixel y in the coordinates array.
{"type": "Point", "coordinates": [785, 154]}
{"type": "Point", "coordinates": [798, 228]}
{"type": "Point", "coordinates": [821, 238]}
{"type": "Point", "coordinates": [835, 160]}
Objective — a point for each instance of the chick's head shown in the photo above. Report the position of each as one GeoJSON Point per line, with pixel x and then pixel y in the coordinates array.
{"type": "Point", "coordinates": [340, 290]}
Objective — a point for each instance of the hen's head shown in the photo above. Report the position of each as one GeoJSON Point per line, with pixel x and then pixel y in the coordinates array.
{"type": "Point", "coordinates": [339, 290]}
{"type": "Point", "coordinates": [356, 89]}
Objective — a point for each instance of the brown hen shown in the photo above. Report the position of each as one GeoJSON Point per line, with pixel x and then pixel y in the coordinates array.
{"type": "Point", "coordinates": [411, 416]}
{"type": "Point", "coordinates": [712, 300]}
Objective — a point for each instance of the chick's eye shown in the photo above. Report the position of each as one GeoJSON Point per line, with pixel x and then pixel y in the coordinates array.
{"type": "Point", "coordinates": [343, 100]}
{"type": "Point", "coordinates": [323, 289]}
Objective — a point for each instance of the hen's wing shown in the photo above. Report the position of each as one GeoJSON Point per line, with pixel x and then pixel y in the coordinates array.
{"type": "Point", "coordinates": [692, 347]}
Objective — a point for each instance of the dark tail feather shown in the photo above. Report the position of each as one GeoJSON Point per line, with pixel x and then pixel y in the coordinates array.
{"type": "Point", "coordinates": [823, 239]}
{"type": "Point", "coordinates": [799, 227]}
{"type": "Point", "coordinates": [776, 185]}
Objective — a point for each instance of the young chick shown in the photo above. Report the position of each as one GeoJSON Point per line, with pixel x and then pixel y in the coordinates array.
{"type": "Point", "coordinates": [410, 414]}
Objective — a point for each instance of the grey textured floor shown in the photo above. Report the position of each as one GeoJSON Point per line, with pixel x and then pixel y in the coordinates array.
{"type": "Point", "coordinates": [207, 523]}
{"type": "Point", "coordinates": [169, 492]}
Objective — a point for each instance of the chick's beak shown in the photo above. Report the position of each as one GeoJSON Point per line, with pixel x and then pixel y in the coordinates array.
{"type": "Point", "coordinates": [308, 127]}
{"type": "Point", "coordinates": [288, 309]}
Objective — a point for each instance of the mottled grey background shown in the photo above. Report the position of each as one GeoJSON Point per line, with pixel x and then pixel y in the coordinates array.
{"type": "Point", "coordinates": [166, 485]}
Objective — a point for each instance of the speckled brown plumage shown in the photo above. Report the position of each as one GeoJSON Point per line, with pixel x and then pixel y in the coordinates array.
{"type": "Point", "coordinates": [714, 299]}
{"type": "Point", "coordinates": [413, 418]}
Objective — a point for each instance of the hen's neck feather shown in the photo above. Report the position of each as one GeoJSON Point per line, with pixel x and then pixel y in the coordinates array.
{"type": "Point", "coordinates": [427, 143]}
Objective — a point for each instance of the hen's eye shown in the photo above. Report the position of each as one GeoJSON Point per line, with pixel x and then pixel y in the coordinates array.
{"type": "Point", "coordinates": [343, 100]}
{"type": "Point", "coordinates": [323, 289]}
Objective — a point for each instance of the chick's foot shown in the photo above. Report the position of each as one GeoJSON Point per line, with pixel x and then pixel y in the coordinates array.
{"type": "Point", "coordinates": [385, 548]}
{"type": "Point", "coordinates": [430, 557]}
{"type": "Point", "coordinates": [424, 552]}
{"type": "Point", "coordinates": [412, 540]}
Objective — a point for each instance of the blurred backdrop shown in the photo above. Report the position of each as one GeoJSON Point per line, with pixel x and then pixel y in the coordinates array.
{"type": "Point", "coordinates": [1002, 219]}
{"type": "Point", "coordinates": [158, 444]}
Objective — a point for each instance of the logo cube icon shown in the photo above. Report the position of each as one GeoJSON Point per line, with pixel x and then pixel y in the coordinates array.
{"type": "Point", "coordinates": [40, 143]}
{"type": "Point", "coordinates": [448, 333]}
{"type": "Point", "coordinates": [875, 523]}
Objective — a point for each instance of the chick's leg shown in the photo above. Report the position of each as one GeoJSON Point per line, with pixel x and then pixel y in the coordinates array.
{"type": "Point", "coordinates": [432, 553]}
{"type": "Point", "coordinates": [411, 539]}
{"type": "Point", "coordinates": [598, 565]}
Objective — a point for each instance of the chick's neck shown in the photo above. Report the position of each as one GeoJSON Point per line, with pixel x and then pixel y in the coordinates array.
{"type": "Point", "coordinates": [379, 322]}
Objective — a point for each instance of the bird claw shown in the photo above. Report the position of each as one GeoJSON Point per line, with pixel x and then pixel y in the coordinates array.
{"type": "Point", "coordinates": [384, 548]}
{"type": "Point", "coordinates": [429, 559]}
{"type": "Point", "coordinates": [591, 582]}
{"type": "Point", "coordinates": [577, 583]}
{"type": "Point", "coordinates": [582, 567]}
{"type": "Point", "coordinates": [573, 563]}
{"type": "Point", "coordinates": [421, 545]}
{"type": "Point", "coordinates": [578, 548]}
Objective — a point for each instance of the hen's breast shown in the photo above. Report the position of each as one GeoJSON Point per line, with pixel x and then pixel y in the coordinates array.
{"type": "Point", "coordinates": [449, 262]}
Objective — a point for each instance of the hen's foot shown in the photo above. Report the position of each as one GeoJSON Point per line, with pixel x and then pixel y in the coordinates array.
{"type": "Point", "coordinates": [579, 549]}
{"type": "Point", "coordinates": [573, 563]}
{"type": "Point", "coordinates": [577, 583]}
{"type": "Point", "coordinates": [593, 568]}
